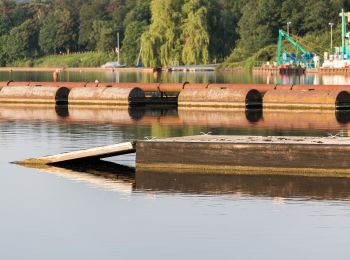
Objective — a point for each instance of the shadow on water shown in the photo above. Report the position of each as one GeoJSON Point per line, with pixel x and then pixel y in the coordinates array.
{"type": "Point", "coordinates": [115, 177]}
{"type": "Point", "coordinates": [98, 168]}
{"type": "Point", "coordinates": [98, 173]}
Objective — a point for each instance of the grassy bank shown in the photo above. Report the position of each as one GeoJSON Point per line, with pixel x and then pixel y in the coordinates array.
{"type": "Point", "coordinates": [74, 60]}
{"type": "Point", "coordinates": [235, 61]}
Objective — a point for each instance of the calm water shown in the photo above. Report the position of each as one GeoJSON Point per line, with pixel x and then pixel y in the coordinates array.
{"type": "Point", "coordinates": [175, 77]}
{"type": "Point", "coordinates": [111, 213]}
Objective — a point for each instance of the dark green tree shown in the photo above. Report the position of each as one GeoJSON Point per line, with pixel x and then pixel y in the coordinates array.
{"type": "Point", "coordinates": [86, 19]}
{"type": "Point", "coordinates": [22, 41]}
{"type": "Point", "coordinates": [66, 34]}
{"type": "Point", "coordinates": [131, 42]}
{"type": "Point", "coordinates": [56, 33]}
{"type": "Point", "coordinates": [48, 34]}
{"type": "Point", "coordinates": [106, 41]}
{"type": "Point", "coordinates": [5, 24]}
{"type": "Point", "coordinates": [3, 52]}
{"type": "Point", "coordinates": [141, 12]}
{"type": "Point", "coordinates": [102, 36]}
{"type": "Point", "coordinates": [259, 25]}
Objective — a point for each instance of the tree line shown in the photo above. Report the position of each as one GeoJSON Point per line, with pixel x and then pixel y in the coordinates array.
{"type": "Point", "coordinates": [165, 32]}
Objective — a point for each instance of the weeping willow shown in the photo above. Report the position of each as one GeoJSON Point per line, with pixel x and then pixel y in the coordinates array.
{"type": "Point", "coordinates": [195, 35]}
{"type": "Point", "coordinates": [161, 44]}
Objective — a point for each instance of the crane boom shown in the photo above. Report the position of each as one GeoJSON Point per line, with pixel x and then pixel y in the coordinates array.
{"type": "Point", "coordinates": [282, 35]}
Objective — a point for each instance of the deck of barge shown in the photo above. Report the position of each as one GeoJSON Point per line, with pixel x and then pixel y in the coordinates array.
{"type": "Point", "coordinates": [320, 156]}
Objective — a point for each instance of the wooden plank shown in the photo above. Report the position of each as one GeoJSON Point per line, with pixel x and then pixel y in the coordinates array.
{"type": "Point", "coordinates": [94, 153]}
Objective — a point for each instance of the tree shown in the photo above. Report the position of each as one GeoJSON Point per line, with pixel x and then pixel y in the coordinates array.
{"type": "Point", "coordinates": [102, 36]}
{"type": "Point", "coordinates": [5, 24]}
{"type": "Point", "coordinates": [223, 17]}
{"type": "Point", "coordinates": [106, 42]}
{"type": "Point", "coordinates": [86, 19]}
{"type": "Point", "coordinates": [20, 14]}
{"type": "Point", "coordinates": [131, 42]}
{"type": "Point", "coordinates": [48, 33]}
{"type": "Point", "coordinates": [7, 6]}
{"type": "Point", "coordinates": [66, 35]}
{"type": "Point", "coordinates": [22, 41]}
{"type": "Point", "coordinates": [56, 32]}
{"type": "Point", "coordinates": [141, 13]}
{"type": "Point", "coordinates": [293, 11]}
{"type": "Point", "coordinates": [68, 12]}
{"type": "Point", "coordinates": [317, 15]}
{"type": "Point", "coordinates": [259, 25]}
{"type": "Point", "coordinates": [3, 52]}
{"type": "Point", "coordinates": [195, 35]}
{"type": "Point", "coordinates": [161, 44]}
{"type": "Point", "coordinates": [135, 24]}
{"type": "Point", "coordinates": [169, 31]}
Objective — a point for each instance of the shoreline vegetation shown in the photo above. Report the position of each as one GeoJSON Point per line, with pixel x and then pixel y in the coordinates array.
{"type": "Point", "coordinates": [238, 34]}
{"type": "Point", "coordinates": [72, 60]}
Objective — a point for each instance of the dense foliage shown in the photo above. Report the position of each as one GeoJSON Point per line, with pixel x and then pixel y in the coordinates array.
{"type": "Point", "coordinates": [166, 32]}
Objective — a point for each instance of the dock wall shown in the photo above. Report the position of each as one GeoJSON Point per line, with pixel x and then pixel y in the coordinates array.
{"type": "Point", "coordinates": [217, 154]}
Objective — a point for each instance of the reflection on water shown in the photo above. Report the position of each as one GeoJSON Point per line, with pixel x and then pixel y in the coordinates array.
{"type": "Point", "coordinates": [176, 77]}
{"type": "Point", "coordinates": [100, 174]}
{"type": "Point", "coordinates": [122, 179]}
{"type": "Point", "coordinates": [246, 185]}
{"type": "Point", "coordinates": [271, 122]}
{"type": "Point", "coordinates": [111, 176]}
{"type": "Point", "coordinates": [113, 213]}
{"type": "Point", "coordinates": [62, 111]}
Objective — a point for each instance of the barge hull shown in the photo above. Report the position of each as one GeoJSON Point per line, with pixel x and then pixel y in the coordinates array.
{"type": "Point", "coordinates": [245, 155]}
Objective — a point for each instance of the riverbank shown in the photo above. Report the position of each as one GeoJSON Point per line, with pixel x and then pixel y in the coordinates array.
{"type": "Point", "coordinates": [72, 60]}
{"type": "Point", "coordinates": [76, 69]}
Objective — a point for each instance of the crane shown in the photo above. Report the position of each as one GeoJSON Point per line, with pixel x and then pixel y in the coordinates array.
{"type": "Point", "coordinates": [286, 58]}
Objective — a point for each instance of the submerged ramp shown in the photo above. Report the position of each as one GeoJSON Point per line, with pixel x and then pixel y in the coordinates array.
{"type": "Point", "coordinates": [89, 154]}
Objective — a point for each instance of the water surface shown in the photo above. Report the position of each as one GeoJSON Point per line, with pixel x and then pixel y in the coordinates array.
{"type": "Point", "coordinates": [176, 77]}
{"type": "Point", "coordinates": [105, 212]}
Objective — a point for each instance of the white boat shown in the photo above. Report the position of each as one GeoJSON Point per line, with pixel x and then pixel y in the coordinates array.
{"type": "Point", "coordinates": [114, 64]}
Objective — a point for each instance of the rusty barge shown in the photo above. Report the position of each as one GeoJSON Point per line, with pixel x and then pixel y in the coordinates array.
{"type": "Point", "coordinates": [183, 95]}
{"type": "Point", "coordinates": [252, 155]}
